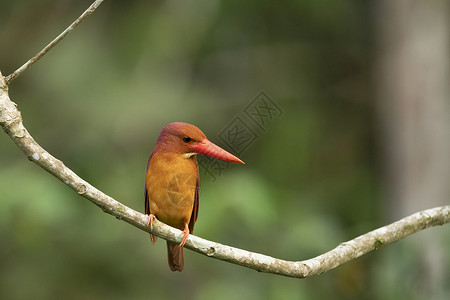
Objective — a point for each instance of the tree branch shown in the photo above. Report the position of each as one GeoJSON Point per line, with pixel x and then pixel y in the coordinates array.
{"type": "Point", "coordinates": [11, 122]}
{"type": "Point", "coordinates": [47, 48]}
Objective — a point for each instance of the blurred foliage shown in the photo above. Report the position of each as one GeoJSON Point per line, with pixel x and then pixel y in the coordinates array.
{"type": "Point", "coordinates": [99, 99]}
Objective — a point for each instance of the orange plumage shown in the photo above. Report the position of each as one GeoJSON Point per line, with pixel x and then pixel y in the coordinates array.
{"type": "Point", "coordinates": [172, 181]}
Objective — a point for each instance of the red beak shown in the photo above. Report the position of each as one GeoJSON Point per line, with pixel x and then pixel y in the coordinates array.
{"type": "Point", "coordinates": [208, 148]}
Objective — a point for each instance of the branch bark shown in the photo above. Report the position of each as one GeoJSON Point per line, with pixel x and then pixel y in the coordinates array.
{"type": "Point", "coordinates": [12, 124]}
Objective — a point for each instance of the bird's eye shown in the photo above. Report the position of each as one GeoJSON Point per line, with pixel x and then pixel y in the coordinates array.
{"type": "Point", "coordinates": [186, 139]}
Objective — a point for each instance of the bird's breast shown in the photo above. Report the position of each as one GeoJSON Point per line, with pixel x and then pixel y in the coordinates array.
{"type": "Point", "coordinates": [171, 182]}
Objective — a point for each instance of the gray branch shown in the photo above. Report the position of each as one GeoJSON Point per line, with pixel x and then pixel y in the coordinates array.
{"type": "Point", "coordinates": [11, 122]}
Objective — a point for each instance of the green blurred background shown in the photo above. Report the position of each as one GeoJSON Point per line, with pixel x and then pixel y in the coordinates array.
{"type": "Point", "coordinates": [317, 175]}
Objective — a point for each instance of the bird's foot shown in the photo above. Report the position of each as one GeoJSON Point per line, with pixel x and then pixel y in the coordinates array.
{"type": "Point", "coordinates": [185, 235]}
{"type": "Point", "coordinates": [151, 217]}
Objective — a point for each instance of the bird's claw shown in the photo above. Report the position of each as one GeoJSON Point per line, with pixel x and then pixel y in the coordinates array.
{"type": "Point", "coordinates": [151, 217]}
{"type": "Point", "coordinates": [185, 235]}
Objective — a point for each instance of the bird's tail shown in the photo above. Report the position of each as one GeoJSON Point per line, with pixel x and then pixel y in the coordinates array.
{"type": "Point", "coordinates": [153, 238]}
{"type": "Point", "coordinates": [175, 256]}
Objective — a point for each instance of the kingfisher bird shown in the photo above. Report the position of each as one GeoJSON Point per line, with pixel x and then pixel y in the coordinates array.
{"type": "Point", "coordinates": [172, 181]}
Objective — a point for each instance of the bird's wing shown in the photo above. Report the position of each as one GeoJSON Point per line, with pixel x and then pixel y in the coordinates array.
{"type": "Point", "coordinates": [147, 204]}
{"type": "Point", "coordinates": [194, 214]}
{"type": "Point", "coordinates": [146, 200]}
{"type": "Point", "coordinates": [147, 207]}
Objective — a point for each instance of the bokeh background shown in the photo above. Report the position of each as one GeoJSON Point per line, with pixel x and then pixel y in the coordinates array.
{"type": "Point", "coordinates": [362, 140]}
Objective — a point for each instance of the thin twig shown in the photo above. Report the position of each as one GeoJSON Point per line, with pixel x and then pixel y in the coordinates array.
{"type": "Point", "coordinates": [11, 121]}
{"type": "Point", "coordinates": [47, 48]}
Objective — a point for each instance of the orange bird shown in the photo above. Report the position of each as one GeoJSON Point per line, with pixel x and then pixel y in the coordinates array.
{"type": "Point", "coordinates": [172, 181]}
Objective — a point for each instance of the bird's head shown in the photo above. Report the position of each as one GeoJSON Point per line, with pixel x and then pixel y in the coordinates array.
{"type": "Point", "coordinates": [188, 140]}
